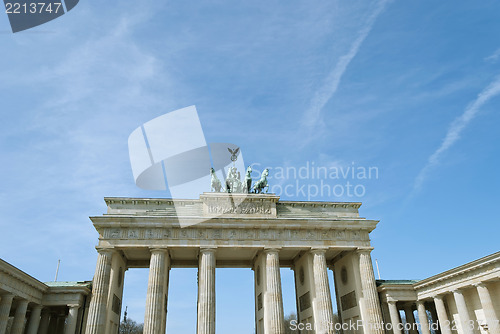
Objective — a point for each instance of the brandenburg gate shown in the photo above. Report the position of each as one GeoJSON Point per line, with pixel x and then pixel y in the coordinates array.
{"type": "Point", "coordinates": [222, 230]}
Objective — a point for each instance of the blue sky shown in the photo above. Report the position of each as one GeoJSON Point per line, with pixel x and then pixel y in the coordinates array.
{"type": "Point", "coordinates": [409, 87]}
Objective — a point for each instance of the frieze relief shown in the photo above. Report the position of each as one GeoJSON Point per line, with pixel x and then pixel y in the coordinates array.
{"type": "Point", "coordinates": [234, 234]}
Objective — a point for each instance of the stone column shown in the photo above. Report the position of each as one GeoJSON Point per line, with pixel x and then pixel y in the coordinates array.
{"type": "Point", "coordinates": [386, 316]}
{"type": "Point", "coordinates": [410, 319]}
{"type": "Point", "coordinates": [394, 313]}
{"type": "Point", "coordinates": [374, 323]}
{"type": "Point", "coordinates": [206, 292]}
{"type": "Point", "coordinates": [444, 322]}
{"type": "Point", "coordinates": [166, 280]}
{"type": "Point", "coordinates": [19, 317]}
{"type": "Point", "coordinates": [273, 299]}
{"type": "Point", "coordinates": [97, 316]}
{"type": "Point", "coordinates": [44, 322]}
{"type": "Point", "coordinates": [463, 313]}
{"type": "Point", "coordinates": [323, 310]}
{"type": "Point", "coordinates": [34, 321]}
{"type": "Point", "coordinates": [434, 316]}
{"type": "Point", "coordinates": [54, 319]}
{"type": "Point", "coordinates": [61, 320]}
{"type": "Point", "coordinates": [422, 318]}
{"type": "Point", "coordinates": [154, 299]}
{"type": "Point", "coordinates": [70, 326]}
{"type": "Point", "coordinates": [488, 309]}
{"type": "Point", "coordinates": [5, 305]}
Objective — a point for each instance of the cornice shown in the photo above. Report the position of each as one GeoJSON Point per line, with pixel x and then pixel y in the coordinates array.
{"type": "Point", "coordinates": [21, 276]}
{"type": "Point", "coordinates": [118, 221]}
{"type": "Point", "coordinates": [335, 205]}
{"type": "Point", "coordinates": [160, 201]}
{"type": "Point", "coordinates": [207, 202]}
{"type": "Point", "coordinates": [491, 259]}
{"type": "Point", "coordinates": [68, 290]}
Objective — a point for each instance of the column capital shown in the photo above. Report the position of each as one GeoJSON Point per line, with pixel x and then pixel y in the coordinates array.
{"type": "Point", "coordinates": [392, 301]}
{"type": "Point", "coordinates": [158, 250]}
{"type": "Point", "coordinates": [208, 249]}
{"type": "Point", "coordinates": [320, 250]}
{"type": "Point", "coordinates": [457, 291]}
{"type": "Point", "coordinates": [420, 302]}
{"type": "Point", "coordinates": [480, 284]}
{"type": "Point", "coordinates": [106, 250]}
{"type": "Point", "coordinates": [38, 306]}
{"type": "Point", "coordinates": [24, 301]}
{"type": "Point", "coordinates": [272, 250]}
{"type": "Point", "coordinates": [438, 296]}
{"type": "Point", "coordinates": [74, 305]}
{"type": "Point", "coordinates": [362, 250]}
{"type": "Point", "coordinates": [7, 296]}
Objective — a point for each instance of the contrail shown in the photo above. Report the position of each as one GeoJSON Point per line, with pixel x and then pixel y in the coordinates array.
{"type": "Point", "coordinates": [332, 81]}
{"type": "Point", "coordinates": [456, 128]}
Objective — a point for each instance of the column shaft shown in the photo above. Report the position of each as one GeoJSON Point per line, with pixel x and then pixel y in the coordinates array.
{"type": "Point", "coordinates": [19, 317]}
{"type": "Point", "coordinates": [394, 313]}
{"type": "Point", "coordinates": [206, 292]}
{"type": "Point", "coordinates": [410, 319]}
{"type": "Point", "coordinates": [166, 279]}
{"type": "Point", "coordinates": [374, 323]}
{"type": "Point", "coordinates": [61, 320]}
{"type": "Point", "coordinates": [488, 309]}
{"type": "Point", "coordinates": [323, 310]}
{"type": "Point", "coordinates": [422, 318]}
{"type": "Point", "coordinates": [5, 305]}
{"type": "Point", "coordinates": [70, 326]}
{"type": "Point", "coordinates": [97, 316]}
{"type": "Point", "coordinates": [44, 322]}
{"type": "Point", "coordinates": [444, 322]}
{"type": "Point", "coordinates": [155, 296]}
{"type": "Point", "coordinates": [273, 299]}
{"type": "Point", "coordinates": [34, 321]}
{"type": "Point", "coordinates": [54, 319]}
{"type": "Point", "coordinates": [463, 313]}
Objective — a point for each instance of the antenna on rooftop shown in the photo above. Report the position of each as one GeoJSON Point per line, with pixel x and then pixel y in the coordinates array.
{"type": "Point", "coordinates": [378, 271]}
{"type": "Point", "coordinates": [57, 270]}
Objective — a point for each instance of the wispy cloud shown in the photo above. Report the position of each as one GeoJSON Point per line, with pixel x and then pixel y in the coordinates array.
{"type": "Point", "coordinates": [312, 117]}
{"type": "Point", "coordinates": [456, 128]}
{"type": "Point", "coordinates": [494, 57]}
{"type": "Point", "coordinates": [69, 146]}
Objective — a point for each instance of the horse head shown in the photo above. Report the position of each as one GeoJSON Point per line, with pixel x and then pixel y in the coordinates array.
{"type": "Point", "coordinates": [265, 173]}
